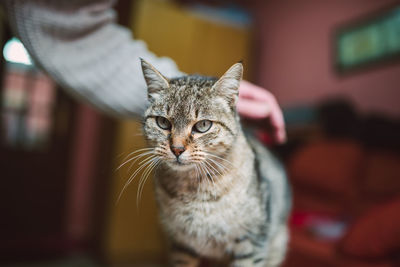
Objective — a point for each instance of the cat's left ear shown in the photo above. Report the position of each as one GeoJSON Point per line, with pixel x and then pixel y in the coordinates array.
{"type": "Point", "coordinates": [228, 85]}
{"type": "Point", "coordinates": [156, 82]}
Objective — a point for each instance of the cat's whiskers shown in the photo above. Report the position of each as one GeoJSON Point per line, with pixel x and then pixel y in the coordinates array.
{"type": "Point", "coordinates": [210, 173]}
{"type": "Point", "coordinates": [225, 169]}
{"type": "Point", "coordinates": [197, 159]}
{"type": "Point", "coordinates": [198, 177]}
{"type": "Point", "coordinates": [138, 158]}
{"type": "Point", "coordinates": [138, 150]}
{"type": "Point", "coordinates": [204, 174]}
{"type": "Point", "coordinates": [218, 157]}
{"type": "Point", "coordinates": [144, 160]}
{"type": "Point", "coordinates": [226, 183]}
{"type": "Point", "coordinates": [197, 172]}
{"type": "Point", "coordinates": [147, 171]}
{"type": "Point", "coordinates": [154, 163]}
{"type": "Point", "coordinates": [212, 167]}
{"type": "Point", "coordinates": [221, 164]}
{"type": "Point", "coordinates": [207, 169]}
{"type": "Point", "coordinates": [222, 167]}
{"type": "Point", "coordinates": [142, 164]}
{"type": "Point", "coordinates": [146, 151]}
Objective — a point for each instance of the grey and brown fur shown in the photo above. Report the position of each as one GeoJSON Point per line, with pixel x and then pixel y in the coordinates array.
{"type": "Point", "coordinates": [220, 195]}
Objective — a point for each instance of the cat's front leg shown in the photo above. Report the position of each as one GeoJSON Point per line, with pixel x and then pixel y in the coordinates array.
{"type": "Point", "coordinates": [246, 253]}
{"type": "Point", "coordinates": [182, 256]}
{"type": "Point", "coordinates": [249, 260]}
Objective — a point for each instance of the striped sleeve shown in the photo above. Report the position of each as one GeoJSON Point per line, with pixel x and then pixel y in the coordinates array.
{"type": "Point", "coordinates": [79, 44]}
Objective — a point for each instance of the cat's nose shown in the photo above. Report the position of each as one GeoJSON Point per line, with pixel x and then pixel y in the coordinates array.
{"type": "Point", "coordinates": [177, 150]}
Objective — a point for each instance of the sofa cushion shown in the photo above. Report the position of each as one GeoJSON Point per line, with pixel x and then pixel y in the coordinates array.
{"type": "Point", "coordinates": [376, 234]}
{"type": "Point", "coordinates": [382, 175]}
{"type": "Point", "coordinates": [332, 167]}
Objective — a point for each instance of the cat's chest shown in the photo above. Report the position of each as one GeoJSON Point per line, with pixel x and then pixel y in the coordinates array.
{"type": "Point", "coordinates": [205, 227]}
{"type": "Point", "coordinates": [210, 228]}
{"type": "Point", "coordinates": [220, 221]}
{"type": "Point", "coordinates": [206, 218]}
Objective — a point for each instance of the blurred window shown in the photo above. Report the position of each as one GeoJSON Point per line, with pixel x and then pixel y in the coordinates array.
{"type": "Point", "coordinates": [27, 99]}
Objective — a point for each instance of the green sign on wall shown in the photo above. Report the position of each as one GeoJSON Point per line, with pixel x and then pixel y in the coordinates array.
{"type": "Point", "coordinates": [369, 41]}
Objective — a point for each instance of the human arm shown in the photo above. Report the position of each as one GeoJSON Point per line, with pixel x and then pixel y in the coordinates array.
{"type": "Point", "coordinates": [79, 44]}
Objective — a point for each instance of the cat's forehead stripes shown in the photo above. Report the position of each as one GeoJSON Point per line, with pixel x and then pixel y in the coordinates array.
{"type": "Point", "coordinates": [193, 81]}
{"type": "Point", "coordinates": [187, 99]}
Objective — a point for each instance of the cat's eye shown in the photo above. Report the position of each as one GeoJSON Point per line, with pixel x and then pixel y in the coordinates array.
{"type": "Point", "coordinates": [163, 123]}
{"type": "Point", "coordinates": [202, 126]}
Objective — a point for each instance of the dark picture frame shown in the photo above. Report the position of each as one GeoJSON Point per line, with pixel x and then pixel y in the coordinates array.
{"type": "Point", "coordinates": [369, 41]}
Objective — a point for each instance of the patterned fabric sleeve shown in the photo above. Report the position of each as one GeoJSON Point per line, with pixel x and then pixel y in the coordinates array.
{"type": "Point", "coordinates": [78, 43]}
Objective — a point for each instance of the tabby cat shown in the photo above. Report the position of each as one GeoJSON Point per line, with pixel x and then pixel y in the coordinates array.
{"type": "Point", "coordinates": [221, 195]}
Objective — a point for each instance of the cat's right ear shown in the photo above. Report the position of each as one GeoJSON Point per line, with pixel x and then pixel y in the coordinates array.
{"type": "Point", "coordinates": [156, 82]}
{"type": "Point", "coordinates": [228, 85]}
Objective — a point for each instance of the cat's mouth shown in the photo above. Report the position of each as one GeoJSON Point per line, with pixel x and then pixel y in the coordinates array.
{"type": "Point", "coordinates": [181, 162]}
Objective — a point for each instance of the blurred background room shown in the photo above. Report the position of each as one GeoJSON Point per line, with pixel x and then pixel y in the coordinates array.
{"type": "Point", "coordinates": [334, 67]}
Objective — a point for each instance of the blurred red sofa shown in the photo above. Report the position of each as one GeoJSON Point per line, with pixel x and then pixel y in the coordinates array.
{"type": "Point", "coordinates": [342, 183]}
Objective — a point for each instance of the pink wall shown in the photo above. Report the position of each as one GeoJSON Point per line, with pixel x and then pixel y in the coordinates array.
{"type": "Point", "coordinates": [295, 60]}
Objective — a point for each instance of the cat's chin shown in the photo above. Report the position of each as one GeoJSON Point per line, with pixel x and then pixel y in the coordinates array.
{"type": "Point", "coordinates": [181, 166]}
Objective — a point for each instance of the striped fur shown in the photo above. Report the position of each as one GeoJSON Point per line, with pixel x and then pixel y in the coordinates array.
{"type": "Point", "coordinates": [225, 196]}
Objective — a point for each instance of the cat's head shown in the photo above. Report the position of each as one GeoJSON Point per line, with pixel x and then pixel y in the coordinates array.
{"type": "Point", "coordinates": [192, 119]}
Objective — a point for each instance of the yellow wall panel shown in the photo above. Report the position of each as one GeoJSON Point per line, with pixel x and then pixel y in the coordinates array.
{"type": "Point", "coordinates": [133, 233]}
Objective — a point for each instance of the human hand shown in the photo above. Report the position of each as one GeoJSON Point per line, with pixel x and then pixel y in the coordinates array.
{"type": "Point", "coordinates": [257, 103]}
